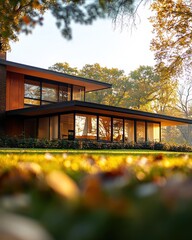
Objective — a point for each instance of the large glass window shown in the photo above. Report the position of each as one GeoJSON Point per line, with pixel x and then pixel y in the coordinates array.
{"type": "Point", "coordinates": [49, 93]}
{"type": "Point", "coordinates": [54, 127]}
{"type": "Point", "coordinates": [129, 131]}
{"type": "Point", "coordinates": [105, 128]}
{"type": "Point", "coordinates": [41, 92]}
{"type": "Point", "coordinates": [67, 126]}
{"type": "Point", "coordinates": [117, 129]}
{"type": "Point", "coordinates": [78, 93]}
{"type": "Point", "coordinates": [85, 126]}
{"type": "Point", "coordinates": [43, 128]}
{"type": "Point", "coordinates": [64, 93]}
{"type": "Point", "coordinates": [140, 128]}
{"type": "Point", "coordinates": [32, 92]}
{"type": "Point", "coordinates": [153, 131]}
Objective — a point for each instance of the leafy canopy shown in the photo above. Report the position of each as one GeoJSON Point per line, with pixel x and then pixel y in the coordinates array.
{"type": "Point", "coordinates": [172, 44]}
{"type": "Point", "coordinates": [18, 16]}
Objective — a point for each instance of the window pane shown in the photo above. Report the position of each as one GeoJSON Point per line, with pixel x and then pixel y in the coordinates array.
{"type": "Point", "coordinates": [117, 129]}
{"type": "Point", "coordinates": [153, 132]}
{"type": "Point", "coordinates": [54, 127]}
{"type": "Point", "coordinates": [140, 131]}
{"type": "Point", "coordinates": [129, 131]}
{"type": "Point", "coordinates": [86, 126]}
{"type": "Point", "coordinates": [64, 93]}
{"type": "Point", "coordinates": [32, 89]}
{"type": "Point", "coordinates": [30, 126]}
{"type": "Point", "coordinates": [66, 126]}
{"type": "Point", "coordinates": [43, 128]}
{"type": "Point", "coordinates": [31, 101]}
{"type": "Point", "coordinates": [49, 92]}
{"type": "Point", "coordinates": [78, 93]}
{"type": "Point", "coordinates": [105, 128]}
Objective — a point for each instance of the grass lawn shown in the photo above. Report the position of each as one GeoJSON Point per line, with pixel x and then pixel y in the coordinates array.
{"type": "Point", "coordinates": [96, 195]}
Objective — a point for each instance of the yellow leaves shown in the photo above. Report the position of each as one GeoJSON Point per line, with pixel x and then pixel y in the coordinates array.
{"type": "Point", "coordinates": [63, 184]}
{"type": "Point", "coordinates": [172, 28]}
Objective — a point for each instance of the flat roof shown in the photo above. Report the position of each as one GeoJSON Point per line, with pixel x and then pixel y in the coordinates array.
{"type": "Point", "coordinates": [94, 108]}
{"type": "Point", "coordinates": [89, 84]}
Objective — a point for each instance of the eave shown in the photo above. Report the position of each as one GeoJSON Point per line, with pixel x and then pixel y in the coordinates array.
{"type": "Point", "coordinates": [87, 107]}
{"type": "Point", "coordinates": [89, 84]}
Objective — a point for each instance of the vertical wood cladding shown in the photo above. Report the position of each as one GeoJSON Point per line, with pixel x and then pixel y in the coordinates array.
{"type": "Point", "coordinates": [14, 127]}
{"type": "Point", "coordinates": [2, 98]}
{"type": "Point", "coordinates": [2, 88]}
{"type": "Point", "coordinates": [14, 91]}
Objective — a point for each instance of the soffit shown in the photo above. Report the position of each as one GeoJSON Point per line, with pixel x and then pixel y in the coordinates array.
{"type": "Point", "coordinates": [89, 84]}
{"type": "Point", "coordinates": [85, 107]}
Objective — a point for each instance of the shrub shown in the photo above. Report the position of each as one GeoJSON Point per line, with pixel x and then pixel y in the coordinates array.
{"type": "Point", "coordinates": [21, 142]}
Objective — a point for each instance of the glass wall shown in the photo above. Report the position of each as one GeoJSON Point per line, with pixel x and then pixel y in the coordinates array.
{"type": "Point", "coordinates": [64, 93]}
{"type": "Point", "coordinates": [117, 129]}
{"type": "Point", "coordinates": [129, 131]}
{"type": "Point", "coordinates": [67, 126]}
{"type": "Point", "coordinates": [49, 93]}
{"type": "Point", "coordinates": [153, 132]}
{"type": "Point", "coordinates": [41, 92]}
{"type": "Point", "coordinates": [85, 126]}
{"type": "Point", "coordinates": [140, 131]}
{"type": "Point", "coordinates": [32, 93]}
{"type": "Point", "coordinates": [78, 93]}
{"type": "Point", "coordinates": [43, 128]}
{"type": "Point", "coordinates": [104, 128]}
{"type": "Point", "coordinates": [54, 127]}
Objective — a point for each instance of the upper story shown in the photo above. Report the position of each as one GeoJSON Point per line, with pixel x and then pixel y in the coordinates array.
{"type": "Point", "coordinates": [25, 86]}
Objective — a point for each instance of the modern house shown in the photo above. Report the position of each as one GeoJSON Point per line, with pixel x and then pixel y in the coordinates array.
{"type": "Point", "coordinates": [42, 103]}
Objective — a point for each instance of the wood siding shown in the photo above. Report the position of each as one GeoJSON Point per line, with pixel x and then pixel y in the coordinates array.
{"type": "Point", "coordinates": [14, 91]}
{"type": "Point", "coordinates": [14, 127]}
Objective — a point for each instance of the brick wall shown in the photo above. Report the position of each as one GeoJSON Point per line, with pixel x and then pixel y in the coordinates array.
{"type": "Point", "coordinates": [2, 98]}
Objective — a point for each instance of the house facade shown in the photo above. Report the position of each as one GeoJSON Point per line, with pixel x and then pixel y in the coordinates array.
{"type": "Point", "coordinates": [45, 104]}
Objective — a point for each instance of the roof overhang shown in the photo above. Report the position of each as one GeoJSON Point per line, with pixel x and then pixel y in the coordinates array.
{"type": "Point", "coordinates": [89, 84]}
{"type": "Point", "coordinates": [87, 107]}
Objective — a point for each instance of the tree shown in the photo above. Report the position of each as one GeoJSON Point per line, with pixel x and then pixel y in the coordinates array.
{"type": "Point", "coordinates": [114, 76]}
{"type": "Point", "coordinates": [65, 68]}
{"type": "Point", "coordinates": [147, 91]}
{"type": "Point", "coordinates": [18, 16]}
{"type": "Point", "coordinates": [172, 44]}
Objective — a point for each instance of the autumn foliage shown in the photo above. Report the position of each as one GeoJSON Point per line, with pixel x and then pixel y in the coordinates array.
{"type": "Point", "coordinates": [93, 196]}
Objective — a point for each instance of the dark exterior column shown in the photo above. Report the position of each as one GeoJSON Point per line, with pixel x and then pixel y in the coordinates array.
{"type": "Point", "coordinates": [2, 98]}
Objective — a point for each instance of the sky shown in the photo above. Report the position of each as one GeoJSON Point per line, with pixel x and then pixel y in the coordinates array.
{"type": "Point", "coordinates": [114, 47]}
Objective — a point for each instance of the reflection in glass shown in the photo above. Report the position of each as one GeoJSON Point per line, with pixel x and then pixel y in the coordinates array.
{"type": "Point", "coordinates": [129, 131]}
{"type": "Point", "coordinates": [153, 132]}
{"type": "Point", "coordinates": [140, 127]}
{"type": "Point", "coordinates": [49, 92]}
{"type": "Point", "coordinates": [85, 126]}
{"type": "Point", "coordinates": [31, 102]}
{"type": "Point", "coordinates": [64, 93]}
{"type": "Point", "coordinates": [32, 89]}
{"type": "Point", "coordinates": [78, 93]}
{"type": "Point", "coordinates": [105, 128]}
{"type": "Point", "coordinates": [32, 92]}
{"type": "Point", "coordinates": [66, 125]}
{"type": "Point", "coordinates": [117, 129]}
